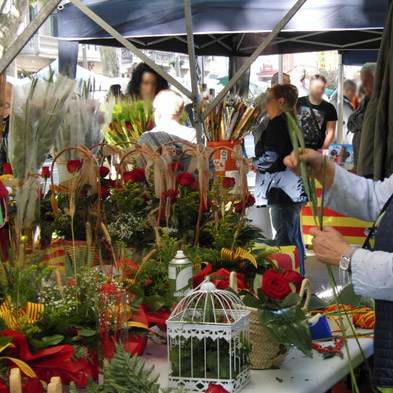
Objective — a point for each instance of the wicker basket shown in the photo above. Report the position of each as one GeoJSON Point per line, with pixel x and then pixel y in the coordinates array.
{"type": "Point", "coordinates": [266, 351]}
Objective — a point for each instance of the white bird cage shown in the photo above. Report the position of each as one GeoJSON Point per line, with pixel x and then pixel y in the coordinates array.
{"type": "Point", "coordinates": [208, 341]}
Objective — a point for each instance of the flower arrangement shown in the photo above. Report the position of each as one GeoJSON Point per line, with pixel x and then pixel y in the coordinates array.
{"type": "Point", "coordinates": [230, 120]}
{"type": "Point", "coordinates": [280, 308]}
{"type": "Point", "coordinates": [129, 120]}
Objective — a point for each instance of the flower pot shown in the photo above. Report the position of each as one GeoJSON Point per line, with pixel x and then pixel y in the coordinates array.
{"type": "Point", "coordinates": [223, 156]}
{"type": "Point", "coordinates": [266, 352]}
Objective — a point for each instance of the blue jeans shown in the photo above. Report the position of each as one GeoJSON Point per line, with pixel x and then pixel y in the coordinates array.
{"type": "Point", "coordinates": [286, 223]}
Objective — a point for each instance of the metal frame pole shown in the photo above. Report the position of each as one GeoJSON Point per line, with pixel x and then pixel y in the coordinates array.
{"type": "Point", "coordinates": [280, 68]}
{"type": "Point", "coordinates": [340, 100]}
{"type": "Point", "coordinates": [280, 25]}
{"type": "Point", "coordinates": [127, 44]}
{"type": "Point", "coordinates": [193, 74]}
{"type": "Point", "coordinates": [28, 32]}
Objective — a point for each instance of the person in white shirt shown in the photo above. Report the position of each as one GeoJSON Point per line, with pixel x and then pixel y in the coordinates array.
{"type": "Point", "coordinates": [168, 109]}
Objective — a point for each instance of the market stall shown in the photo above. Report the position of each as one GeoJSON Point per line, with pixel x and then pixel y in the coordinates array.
{"type": "Point", "coordinates": [135, 243]}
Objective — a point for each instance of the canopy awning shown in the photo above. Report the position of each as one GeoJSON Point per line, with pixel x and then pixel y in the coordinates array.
{"type": "Point", "coordinates": [230, 27]}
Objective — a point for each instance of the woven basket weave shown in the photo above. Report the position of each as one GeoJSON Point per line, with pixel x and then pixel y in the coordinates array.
{"type": "Point", "coordinates": [266, 351]}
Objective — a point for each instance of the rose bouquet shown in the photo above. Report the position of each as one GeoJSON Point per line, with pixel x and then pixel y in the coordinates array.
{"type": "Point", "coordinates": [280, 308]}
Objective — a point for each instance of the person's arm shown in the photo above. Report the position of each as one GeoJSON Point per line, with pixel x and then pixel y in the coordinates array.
{"type": "Point", "coordinates": [347, 193]}
{"type": "Point", "coordinates": [330, 134]}
{"type": "Point", "coordinates": [356, 196]}
{"type": "Point", "coordinates": [372, 274]}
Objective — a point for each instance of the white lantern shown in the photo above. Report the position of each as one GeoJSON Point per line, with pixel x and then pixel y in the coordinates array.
{"type": "Point", "coordinates": [208, 341]}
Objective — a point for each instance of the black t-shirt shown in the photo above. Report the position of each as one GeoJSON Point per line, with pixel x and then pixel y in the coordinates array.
{"type": "Point", "coordinates": [314, 125]}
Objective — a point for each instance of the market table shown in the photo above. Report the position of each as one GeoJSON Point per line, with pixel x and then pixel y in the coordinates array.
{"type": "Point", "coordinates": [298, 374]}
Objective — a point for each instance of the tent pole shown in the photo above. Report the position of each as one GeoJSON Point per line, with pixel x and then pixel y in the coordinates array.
{"type": "Point", "coordinates": [340, 99]}
{"type": "Point", "coordinates": [28, 32]}
{"type": "Point", "coordinates": [280, 68]}
{"type": "Point", "coordinates": [193, 71]}
{"type": "Point", "coordinates": [247, 64]}
{"type": "Point", "coordinates": [131, 47]}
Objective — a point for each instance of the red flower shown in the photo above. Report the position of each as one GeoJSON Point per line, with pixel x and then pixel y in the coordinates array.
{"type": "Point", "coordinates": [108, 288]}
{"type": "Point", "coordinates": [250, 200]}
{"type": "Point", "coordinates": [104, 192]}
{"type": "Point", "coordinates": [128, 267]}
{"type": "Point", "coordinates": [213, 388]}
{"type": "Point", "coordinates": [172, 195]}
{"type": "Point", "coordinates": [185, 179]}
{"type": "Point", "coordinates": [275, 285]}
{"type": "Point", "coordinates": [228, 182]}
{"type": "Point", "coordinates": [74, 166]}
{"type": "Point", "coordinates": [294, 278]}
{"type": "Point", "coordinates": [104, 171]}
{"type": "Point", "coordinates": [7, 169]}
{"type": "Point", "coordinates": [238, 207]}
{"type": "Point", "coordinates": [137, 175]}
{"type": "Point", "coordinates": [45, 172]}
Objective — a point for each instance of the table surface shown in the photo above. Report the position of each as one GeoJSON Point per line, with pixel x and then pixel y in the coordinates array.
{"type": "Point", "coordinates": [298, 374]}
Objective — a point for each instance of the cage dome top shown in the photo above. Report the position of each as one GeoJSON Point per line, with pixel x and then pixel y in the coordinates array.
{"type": "Point", "coordinates": [207, 304]}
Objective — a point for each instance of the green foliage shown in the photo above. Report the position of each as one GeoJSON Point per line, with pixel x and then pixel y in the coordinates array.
{"type": "Point", "coordinates": [181, 353]}
{"type": "Point", "coordinates": [22, 283]}
{"type": "Point", "coordinates": [75, 306]}
{"type": "Point", "coordinates": [126, 374]}
{"type": "Point", "coordinates": [285, 320]}
{"type": "Point", "coordinates": [60, 223]}
{"type": "Point", "coordinates": [127, 211]}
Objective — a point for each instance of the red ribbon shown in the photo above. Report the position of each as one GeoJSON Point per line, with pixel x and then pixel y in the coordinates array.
{"type": "Point", "coordinates": [220, 278]}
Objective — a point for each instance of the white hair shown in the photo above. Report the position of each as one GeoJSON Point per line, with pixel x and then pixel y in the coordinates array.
{"type": "Point", "coordinates": [369, 68]}
{"type": "Point", "coordinates": [168, 104]}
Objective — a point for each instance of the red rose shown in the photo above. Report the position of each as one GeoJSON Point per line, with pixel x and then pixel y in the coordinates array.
{"type": "Point", "coordinates": [7, 169]}
{"type": "Point", "coordinates": [137, 175]}
{"type": "Point", "coordinates": [250, 200]}
{"type": "Point", "coordinates": [228, 182]}
{"type": "Point", "coordinates": [238, 207]}
{"type": "Point", "coordinates": [275, 285]}
{"type": "Point", "coordinates": [185, 179]}
{"type": "Point", "coordinates": [294, 278]}
{"type": "Point", "coordinates": [213, 388]}
{"type": "Point", "coordinates": [104, 192]}
{"type": "Point", "coordinates": [45, 172]}
{"type": "Point", "coordinates": [104, 171]}
{"type": "Point", "coordinates": [172, 195]}
{"type": "Point", "coordinates": [74, 166]}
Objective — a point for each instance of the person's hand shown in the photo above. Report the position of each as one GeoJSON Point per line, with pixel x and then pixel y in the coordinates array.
{"type": "Point", "coordinates": [315, 165]}
{"type": "Point", "coordinates": [329, 245]}
{"type": "Point", "coordinates": [312, 158]}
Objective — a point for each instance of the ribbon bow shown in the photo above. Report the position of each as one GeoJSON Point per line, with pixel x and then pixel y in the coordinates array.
{"type": "Point", "coordinates": [15, 319]}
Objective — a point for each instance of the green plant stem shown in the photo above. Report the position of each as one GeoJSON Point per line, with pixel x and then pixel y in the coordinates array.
{"type": "Point", "coordinates": [333, 285]}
